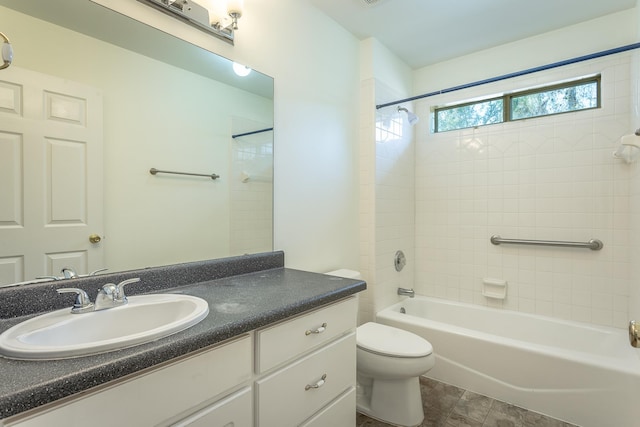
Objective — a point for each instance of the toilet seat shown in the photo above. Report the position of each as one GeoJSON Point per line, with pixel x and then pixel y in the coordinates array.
{"type": "Point", "coordinates": [392, 342]}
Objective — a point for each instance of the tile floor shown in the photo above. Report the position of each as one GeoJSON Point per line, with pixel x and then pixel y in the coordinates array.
{"type": "Point", "coordinates": [449, 406]}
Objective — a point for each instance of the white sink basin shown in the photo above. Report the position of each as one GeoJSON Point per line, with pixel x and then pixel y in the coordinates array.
{"type": "Point", "coordinates": [61, 334]}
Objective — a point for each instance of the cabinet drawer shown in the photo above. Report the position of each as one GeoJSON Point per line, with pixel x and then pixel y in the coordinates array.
{"type": "Point", "coordinates": [285, 341]}
{"type": "Point", "coordinates": [234, 410]}
{"type": "Point", "coordinates": [291, 395]}
{"type": "Point", "coordinates": [158, 395]}
{"type": "Point", "coordinates": [339, 413]}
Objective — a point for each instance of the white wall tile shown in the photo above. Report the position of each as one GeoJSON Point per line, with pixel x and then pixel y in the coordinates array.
{"type": "Point", "coordinates": [550, 178]}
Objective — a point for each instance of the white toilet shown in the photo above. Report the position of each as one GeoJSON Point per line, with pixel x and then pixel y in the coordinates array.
{"type": "Point", "coordinates": [389, 364]}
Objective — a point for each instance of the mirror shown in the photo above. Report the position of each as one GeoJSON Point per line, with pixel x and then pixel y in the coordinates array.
{"type": "Point", "coordinates": [159, 102]}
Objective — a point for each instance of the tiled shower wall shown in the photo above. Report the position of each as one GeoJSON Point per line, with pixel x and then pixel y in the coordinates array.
{"type": "Point", "coordinates": [550, 178]}
{"type": "Point", "coordinates": [395, 198]}
{"type": "Point", "coordinates": [387, 207]}
{"type": "Point", "coordinates": [251, 189]}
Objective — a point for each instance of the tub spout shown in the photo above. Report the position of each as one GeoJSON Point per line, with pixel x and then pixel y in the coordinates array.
{"type": "Point", "coordinates": [406, 292]}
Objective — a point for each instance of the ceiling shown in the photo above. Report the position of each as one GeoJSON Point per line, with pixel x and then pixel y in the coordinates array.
{"type": "Point", "coordinates": [424, 32]}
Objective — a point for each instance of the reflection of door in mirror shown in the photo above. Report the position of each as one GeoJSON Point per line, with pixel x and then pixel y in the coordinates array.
{"type": "Point", "coordinates": [50, 175]}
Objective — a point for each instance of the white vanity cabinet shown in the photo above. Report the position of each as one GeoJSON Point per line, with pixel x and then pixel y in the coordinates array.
{"type": "Point", "coordinates": [299, 372]}
{"type": "Point", "coordinates": [151, 398]}
{"type": "Point", "coordinates": [314, 356]}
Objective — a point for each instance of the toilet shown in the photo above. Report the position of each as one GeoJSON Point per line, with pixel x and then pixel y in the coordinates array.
{"type": "Point", "coordinates": [389, 363]}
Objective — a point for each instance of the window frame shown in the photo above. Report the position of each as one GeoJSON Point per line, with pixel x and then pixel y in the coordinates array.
{"type": "Point", "coordinates": [507, 99]}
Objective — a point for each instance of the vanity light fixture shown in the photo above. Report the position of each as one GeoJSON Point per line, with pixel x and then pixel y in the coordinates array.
{"type": "Point", "coordinates": [217, 17]}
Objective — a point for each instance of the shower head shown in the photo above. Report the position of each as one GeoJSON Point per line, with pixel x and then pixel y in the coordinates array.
{"type": "Point", "coordinates": [413, 119]}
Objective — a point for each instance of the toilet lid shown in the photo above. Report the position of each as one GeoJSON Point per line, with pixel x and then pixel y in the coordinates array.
{"type": "Point", "coordinates": [390, 341]}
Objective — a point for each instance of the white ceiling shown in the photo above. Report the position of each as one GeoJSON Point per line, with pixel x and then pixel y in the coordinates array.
{"type": "Point", "coordinates": [424, 32]}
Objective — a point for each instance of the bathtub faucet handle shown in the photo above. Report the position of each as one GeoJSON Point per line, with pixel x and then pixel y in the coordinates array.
{"type": "Point", "coordinates": [406, 292]}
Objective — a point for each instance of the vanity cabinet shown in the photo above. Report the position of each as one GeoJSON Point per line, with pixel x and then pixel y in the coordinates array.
{"type": "Point", "coordinates": [151, 397]}
{"type": "Point", "coordinates": [314, 356]}
{"type": "Point", "coordinates": [299, 372]}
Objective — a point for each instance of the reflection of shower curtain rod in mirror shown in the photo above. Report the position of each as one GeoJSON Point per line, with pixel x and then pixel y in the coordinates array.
{"type": "Point", "coordinates": [251, 133]}
{"type": "Point", "coordinates": [154, 171]}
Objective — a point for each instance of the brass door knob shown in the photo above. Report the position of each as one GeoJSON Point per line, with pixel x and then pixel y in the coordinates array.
{"type": "Point", "coordinates": [94, 238]}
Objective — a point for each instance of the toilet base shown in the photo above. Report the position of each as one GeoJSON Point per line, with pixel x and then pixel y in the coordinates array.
{"type": "Point", "coordinates": [396, 402]}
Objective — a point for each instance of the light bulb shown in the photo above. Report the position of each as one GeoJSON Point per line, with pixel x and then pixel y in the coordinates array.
{"type": "Point", "coordinates": [235, 6]}
{"type": "Point", "coordinates": [241, 70]}
{"type": "Point", "coordinates": [217, 10]}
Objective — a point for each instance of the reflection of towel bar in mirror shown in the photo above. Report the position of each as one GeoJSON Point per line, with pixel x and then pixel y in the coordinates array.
{"type": "Point", "coordinates": [154, 171]}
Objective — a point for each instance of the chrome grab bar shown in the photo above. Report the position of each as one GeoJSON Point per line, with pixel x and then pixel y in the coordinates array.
{"type": "Point", "coordinates": [154, 171]}
{"type": "Point", "coordinates": [593, 244]}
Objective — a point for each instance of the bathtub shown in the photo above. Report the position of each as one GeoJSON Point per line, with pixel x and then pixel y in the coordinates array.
{"type": "Point", "coordinates": [579, 373]}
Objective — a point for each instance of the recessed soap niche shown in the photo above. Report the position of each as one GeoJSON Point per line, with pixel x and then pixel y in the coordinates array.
{"type": "Point", "coordinates": [494, 288]}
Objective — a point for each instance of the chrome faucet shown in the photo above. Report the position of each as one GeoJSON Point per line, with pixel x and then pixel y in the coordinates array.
{"type": "Point", "coordinates": [82, 303]}
{"type": "Point", "coordinates": [109, 296]}
{"type": "Point", "coordinates": [406, 292]}
{"type": "Point", "coordinates": [69, 273]}
{"type": "Point", "coordinates": [112, 295]}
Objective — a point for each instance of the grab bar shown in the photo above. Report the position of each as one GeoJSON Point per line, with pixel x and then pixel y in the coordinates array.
{"type": "Point", "coordinates": [593, 244]}
{"type": "Point", "coordinates": [154, 171]}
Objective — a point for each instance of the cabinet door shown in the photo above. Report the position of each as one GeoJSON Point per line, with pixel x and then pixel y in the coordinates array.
{"type": "Point", "coordinates": [154, 397]}
{"type": "Point", "coordinates": [291, 395]}
{"type": "Point", "coordinates": [232, 411]}
{"type": "Point", "coordinates": [339, 413]}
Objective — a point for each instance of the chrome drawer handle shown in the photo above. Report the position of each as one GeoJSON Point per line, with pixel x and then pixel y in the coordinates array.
{"type": "Point", "coordinates": [319, 330]}
{"type": "Point", "coordinates": [318, 384]}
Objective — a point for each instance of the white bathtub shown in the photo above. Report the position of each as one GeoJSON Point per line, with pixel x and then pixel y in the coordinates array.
{"type": "Point", "coordinates": [583, 374]}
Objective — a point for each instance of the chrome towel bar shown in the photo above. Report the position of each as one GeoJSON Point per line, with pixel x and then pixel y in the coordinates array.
{"type": "Point", "coordinates": [154, 171]}
{"type": "Point", "coordinates": [593, 244]}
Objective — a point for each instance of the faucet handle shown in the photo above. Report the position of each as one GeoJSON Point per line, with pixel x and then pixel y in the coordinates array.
{"type": "Point", "coordinates": [82, 302]}
{"type": "Point", "coordinates": [120, 288]}
{"type": "Point", "coordinates": [69, 273]}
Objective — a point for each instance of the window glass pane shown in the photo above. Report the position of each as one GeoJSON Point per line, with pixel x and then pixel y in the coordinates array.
{"type": "Point", "coordinates": [471, 115]}
{"type": "Point", "coordinates": [561, 100]}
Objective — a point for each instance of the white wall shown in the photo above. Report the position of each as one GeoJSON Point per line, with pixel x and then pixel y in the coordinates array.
{"type": "Point", "coordinates": [386, 178]}
{"type": "Point", "coordinates": [315, 65]}
{"type": "Point", "coordinates": [634, 186]}
{"type": "Point", "coordinates": [549, 178]}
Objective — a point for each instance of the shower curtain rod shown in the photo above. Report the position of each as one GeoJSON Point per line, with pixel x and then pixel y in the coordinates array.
{"type": "Point", "coordinates": [516, 74]}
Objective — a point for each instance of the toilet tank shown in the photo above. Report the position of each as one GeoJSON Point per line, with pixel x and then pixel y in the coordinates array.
{"type": "Point", "coordinates": [349, 274]}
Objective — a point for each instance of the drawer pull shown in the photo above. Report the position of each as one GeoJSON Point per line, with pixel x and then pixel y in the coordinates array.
{"type": "Point", "coordinates": [318, 384]}
{"type": "Point", "coordinates": [319, 330]}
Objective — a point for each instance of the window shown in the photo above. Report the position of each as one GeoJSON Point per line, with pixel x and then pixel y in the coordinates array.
{"type": "Point", "coordinates": [560, 98]}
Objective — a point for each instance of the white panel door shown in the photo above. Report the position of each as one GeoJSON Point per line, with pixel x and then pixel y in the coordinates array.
{"type": "Point", "coordinates": [51, 169]}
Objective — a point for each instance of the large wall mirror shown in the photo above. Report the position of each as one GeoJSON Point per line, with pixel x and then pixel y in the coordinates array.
{"type": "Point", "coordinates": [93, 101]}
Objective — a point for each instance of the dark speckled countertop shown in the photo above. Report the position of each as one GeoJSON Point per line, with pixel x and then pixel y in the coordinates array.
{"type": "Point", "coordinates": [238, 303]}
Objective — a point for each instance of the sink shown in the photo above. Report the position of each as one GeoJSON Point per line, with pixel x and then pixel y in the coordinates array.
{"type": "Point", "coordinates": [61, 334]}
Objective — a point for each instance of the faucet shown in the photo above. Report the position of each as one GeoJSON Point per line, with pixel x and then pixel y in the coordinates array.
{"type": "Point", "coordinates": [82, 303]}
{"type": "Point", "coordinates": [406, 292]}
{"type": "Point", "coordinates": [69, 273]}
{"type": "Point", "coordinates": [109, 296]}
{"type": "Point", "coordinates": [112, 295]}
